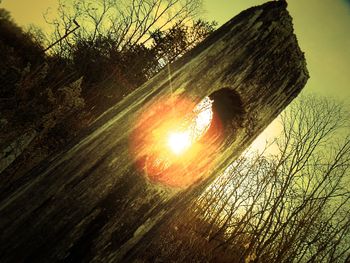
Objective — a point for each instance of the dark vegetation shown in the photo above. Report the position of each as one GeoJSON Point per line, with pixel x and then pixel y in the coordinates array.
{"type": "Point", "coordinates": [289, 205]}
{"type": "Point", "coordinates": [292, 206]}
{"type": "Point", "coordinates": [52, 95]}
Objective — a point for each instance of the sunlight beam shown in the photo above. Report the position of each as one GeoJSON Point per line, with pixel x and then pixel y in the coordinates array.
{"type": "Point", "coordinates": [179, 142]}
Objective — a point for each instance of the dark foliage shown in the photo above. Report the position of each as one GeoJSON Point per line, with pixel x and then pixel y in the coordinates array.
{"type": "Point", "coordinates": [60, 92]}
{"type": "Point", "coordinates": [17, 51]}
{"type": "Point", "coordinates": [180, 38]}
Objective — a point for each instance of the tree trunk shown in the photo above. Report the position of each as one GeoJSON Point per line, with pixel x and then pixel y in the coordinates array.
{"type": "Point", "coordinates": [99, 200]}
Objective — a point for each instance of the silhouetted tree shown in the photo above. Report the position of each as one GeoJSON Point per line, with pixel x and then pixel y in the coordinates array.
{"type": "Point", "coordinates": [126, 42]}
{"type": "Point", "coordinates": [292, 205]}
{"type": "Point", "coordinates": [179, 39]}
{"type": "Point", "coordinates": [126, 22]}
{"type": "Point", "coordinates": [17, 51]}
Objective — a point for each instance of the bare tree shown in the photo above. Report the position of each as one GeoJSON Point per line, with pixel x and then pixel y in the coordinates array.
{"type": "Point", "coordinates": [180, 38]}
{"type": "Point", "coordinates": [292, 205]}
{"type": "Point", "coordinates": [126, 22]}
{"type": "Point", "coordinates": [38, 36]}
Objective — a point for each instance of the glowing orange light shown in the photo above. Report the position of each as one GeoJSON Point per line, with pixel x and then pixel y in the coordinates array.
{"type": "Point", "coordinates": [179, 142]}
{"type": "Point", "coordinates": [168, 142]}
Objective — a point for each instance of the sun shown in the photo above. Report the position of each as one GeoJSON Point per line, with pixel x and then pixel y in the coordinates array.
{"type": "Point", "coordinates": [171, 143]}
{"type": "Point", "coordinates": [197, 124]}
{"type": "Point", "coordinates": [179, 142]}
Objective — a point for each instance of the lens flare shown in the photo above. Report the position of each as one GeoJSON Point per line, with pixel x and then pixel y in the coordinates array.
{"type": "Point", "coordinates": [179, 142]}
{"type": "Point", "coordinates": [172, 143]}
{"type": "Point", "coordinates": [196, 124]}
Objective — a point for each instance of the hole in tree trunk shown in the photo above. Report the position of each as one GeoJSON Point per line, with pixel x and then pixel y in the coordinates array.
{"type": "Point", "coordinates": [176, 140]}
{"type": "Point", "coordinates": [227, 108]}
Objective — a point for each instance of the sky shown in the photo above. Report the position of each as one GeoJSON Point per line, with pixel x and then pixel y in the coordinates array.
{"type": "Point", "coordinates": [322, 28]}
{"type": "Point", "coordinates": [323, 31]}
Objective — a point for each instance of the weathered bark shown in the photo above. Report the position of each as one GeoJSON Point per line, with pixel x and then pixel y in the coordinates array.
{"type": "Point", "coordinates": [90, 203]}
{"type": "Point", "coordinates": [15, 149]}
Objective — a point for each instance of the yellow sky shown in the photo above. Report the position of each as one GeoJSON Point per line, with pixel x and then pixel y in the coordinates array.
{"type": "Point", "coordinates": [29, 11]}
{"type": "Point", "coordinates": [323, 31]}
{"type": "Point", "coordinates": [322, 28]}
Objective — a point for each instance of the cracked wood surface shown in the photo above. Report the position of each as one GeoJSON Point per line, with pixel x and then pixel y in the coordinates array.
{"type": "Point", "coordinates": [90, 204]}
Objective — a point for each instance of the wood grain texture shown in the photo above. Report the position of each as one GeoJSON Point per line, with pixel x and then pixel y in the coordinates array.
{"type": "Point", "coordinates": [90, 204]}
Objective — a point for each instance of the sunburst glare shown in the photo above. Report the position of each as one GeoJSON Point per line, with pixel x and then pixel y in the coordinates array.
{"type": "Point", "coordinates": [200, 119]}
{"type": "Point", "coordinates": [170, 138]}
{"type": "Point", "coordinates": [179, 142]}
